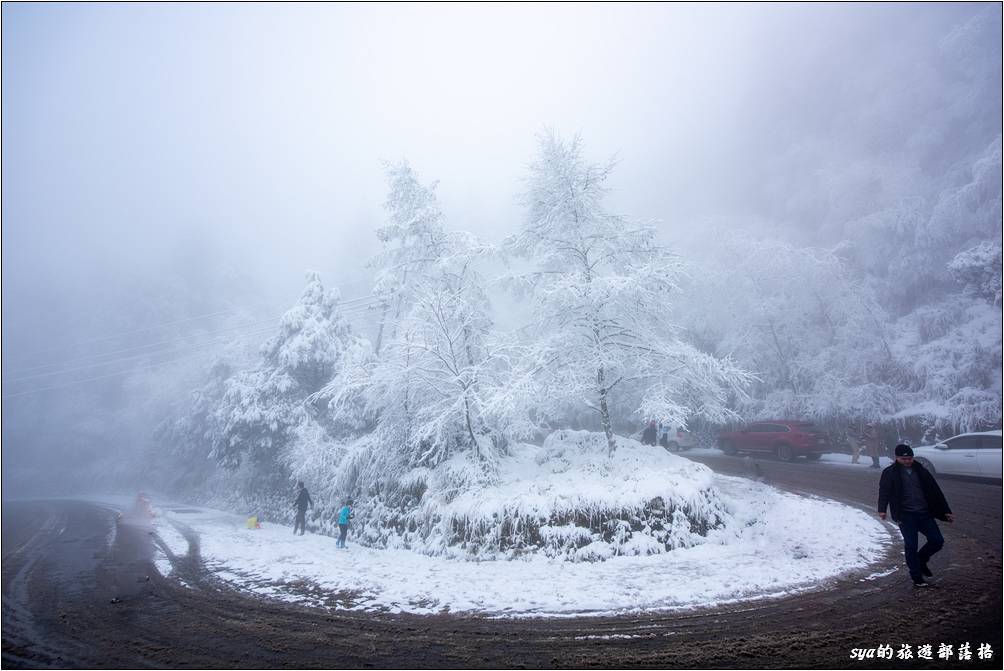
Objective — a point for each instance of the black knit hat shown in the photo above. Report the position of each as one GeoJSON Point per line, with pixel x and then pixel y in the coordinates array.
{"type": "Point", "coordinates": [904, 451]}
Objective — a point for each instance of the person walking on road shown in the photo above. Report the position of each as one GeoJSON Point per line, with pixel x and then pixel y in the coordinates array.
{"type": "Point", "coordinates": [855, 444]}
{"type": "Point", "coordinates": [344, 515]}
{"type": "Point", "coordinates": [915, 501]}
{"type": "Point", "coordinates": [301, 503]}
{"type": "Point", "coordinates": [872, 443]}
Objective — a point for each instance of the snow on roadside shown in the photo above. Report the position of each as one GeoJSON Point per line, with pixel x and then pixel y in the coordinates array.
{"type": "Point", "coordinates": [784, 544]}
{"type": "Point", "coordinates": [173, 539]}
{"type": "Point", "coordinates": [827, 459]}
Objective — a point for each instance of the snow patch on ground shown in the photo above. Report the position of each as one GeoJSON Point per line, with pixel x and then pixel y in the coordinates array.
{"type": "Point", "coordinates": [781, 544]}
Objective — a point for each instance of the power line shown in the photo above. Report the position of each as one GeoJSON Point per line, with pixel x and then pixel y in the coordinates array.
{"type": "Point", "coordinates": [125, 333]}
{"type": "Point", "coordinates": [132, 357]}
{"type": "Point", "coordinates": [109, 375]}
{"type": "Point", "coordinates": [353, 311]}
{"type": "Point", "coordinates": [356, 310]}
{"type": "Point", "coordinates": [146, 346]}
{"type": "Point", "coordinates": [349, 304]}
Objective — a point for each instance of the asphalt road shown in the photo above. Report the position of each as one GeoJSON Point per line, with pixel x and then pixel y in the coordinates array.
{"type": "Point", "coordinates": [80, 590]}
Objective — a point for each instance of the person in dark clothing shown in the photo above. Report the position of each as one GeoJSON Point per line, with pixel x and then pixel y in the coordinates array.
{"type": "Point", "coordinates": [650, 434]}
{"type": "Point", "coordinates": [302, 501]}
{"type": "Point", "coordinates": [915, 501]}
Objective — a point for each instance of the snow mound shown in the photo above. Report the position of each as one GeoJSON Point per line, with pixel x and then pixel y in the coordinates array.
{"type": "Point", "coordinates": [567, 499]}
{"type": "Point", "coordinates": [775, 544]}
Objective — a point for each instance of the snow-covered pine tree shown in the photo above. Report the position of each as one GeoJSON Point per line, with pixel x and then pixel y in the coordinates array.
{"type": "Point", "coordinates": [603, 291]}
{"type": "Point", "coordinates": [261, 407]}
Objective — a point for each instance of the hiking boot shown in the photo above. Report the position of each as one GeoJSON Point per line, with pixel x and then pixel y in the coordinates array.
{"type": "Point", "coordinates": [920, 582]}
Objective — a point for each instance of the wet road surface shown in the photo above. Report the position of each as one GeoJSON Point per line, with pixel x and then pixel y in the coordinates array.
{"type": "Point", "coordinates": [80, 590]}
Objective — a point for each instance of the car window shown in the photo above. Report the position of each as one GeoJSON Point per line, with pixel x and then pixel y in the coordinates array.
{"type": "Point", "coordinates": [777, 428]}
{"type": "Point", "coordinates": [990, 443]}
{"type": "Point", "coordinates": [757, 428]}
{"type": "Point", "coordinates": [965, 443]}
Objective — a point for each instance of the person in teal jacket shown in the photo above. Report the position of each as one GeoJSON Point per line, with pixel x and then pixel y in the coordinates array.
{"type": "Point", "coordinates": [344, 515]}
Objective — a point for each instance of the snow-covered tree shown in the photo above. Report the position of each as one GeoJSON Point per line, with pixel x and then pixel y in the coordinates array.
{"type": "Point", "coordinates": [978, 269]}
{"type": "Point", "coordinates": [447, 354]}
{"type": "Point", "coordinates": [952, 352]}
{"type": "Point", "coordinates": [430, 384]}
{"type": "Point", "coordinates": [798, 318]}
{"type": "Point", "coordinates": [414, 238]}
{"type": "Point", "coordinates": [602, 290]}
{"type": "Point", "coordinates": [261, 406]}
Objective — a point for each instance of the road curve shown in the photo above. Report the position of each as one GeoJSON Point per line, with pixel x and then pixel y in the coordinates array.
{"type": "Point", "coordinates": [80, 590]}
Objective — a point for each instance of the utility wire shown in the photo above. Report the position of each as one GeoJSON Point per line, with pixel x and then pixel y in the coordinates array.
{"type": "Point", "coordinates": [147, 345]}
{"type": "Point", "coordinates": [109, 375]}
{"type": "Point", "coordinates": [111, 362]}
{"type": "Point", "coordinates": [347, 303]}
{"type": "Point", "coordinates": [125, 333]}
{"type": "Point", "coordinates": [361, 309]}
{"type": "Point", "coordinates": [217, 339]}
{"type": "Point", "coordinates": [354, 310]}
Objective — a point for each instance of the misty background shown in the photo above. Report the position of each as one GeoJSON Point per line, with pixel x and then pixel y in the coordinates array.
{"type": "Point", "coordinates": [172, 171]}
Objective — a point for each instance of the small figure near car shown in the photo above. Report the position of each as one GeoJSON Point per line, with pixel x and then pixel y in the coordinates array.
{"type": "Point", "coordinates": [664, 435]}
{"type": "Point", "coordinates": [650, 435]}
{"type": "Point", "coordinates": [915, 501]}
{"type": "Point", "coordinates": [301, 503]}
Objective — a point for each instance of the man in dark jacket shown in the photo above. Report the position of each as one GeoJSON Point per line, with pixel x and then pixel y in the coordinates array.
{"type": "Point", "coordinates": [302, 501]}
{"type": "Point", "coordinates": [650, 434]}
{"type": "Point", "coordinates": [915, 501]}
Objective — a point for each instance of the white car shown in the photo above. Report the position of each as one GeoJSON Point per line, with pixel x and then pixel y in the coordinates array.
{"type": "Point", "coordinates": [973, 454]}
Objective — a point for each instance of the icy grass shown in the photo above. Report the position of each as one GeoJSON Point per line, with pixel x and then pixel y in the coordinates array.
{"type": "Point", "coordinates": [773, 544]}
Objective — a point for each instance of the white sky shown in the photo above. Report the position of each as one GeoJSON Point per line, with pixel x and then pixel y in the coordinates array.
{"type": "Point", "coordinates": [168, 160]}
{"type": "Point", "coordinates": [148, 147]}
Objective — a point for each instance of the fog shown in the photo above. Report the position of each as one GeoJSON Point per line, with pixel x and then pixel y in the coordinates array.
{"type": "Point", "coordinates": [165, 162]}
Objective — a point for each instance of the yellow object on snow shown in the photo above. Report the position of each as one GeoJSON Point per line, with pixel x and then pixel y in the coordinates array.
{"type": "Point", "coordinates": [252, 522]}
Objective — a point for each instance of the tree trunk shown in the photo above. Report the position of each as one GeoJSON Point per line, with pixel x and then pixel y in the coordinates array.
{"type": "Point", "coordinates": [605, 413]}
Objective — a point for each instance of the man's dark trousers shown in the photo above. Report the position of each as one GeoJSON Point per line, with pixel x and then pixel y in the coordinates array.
{"type": "Point", "coordinates": [910, 525]}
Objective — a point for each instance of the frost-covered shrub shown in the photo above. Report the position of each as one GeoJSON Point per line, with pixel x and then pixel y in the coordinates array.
{"type": "Point", "coordinates": [979, 270]}
{"type": "Point", "coordinates": [567, 499]}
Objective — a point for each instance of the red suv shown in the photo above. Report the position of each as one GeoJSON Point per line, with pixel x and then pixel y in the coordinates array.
{"type": "Point", "coordinates": [785, 439]}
